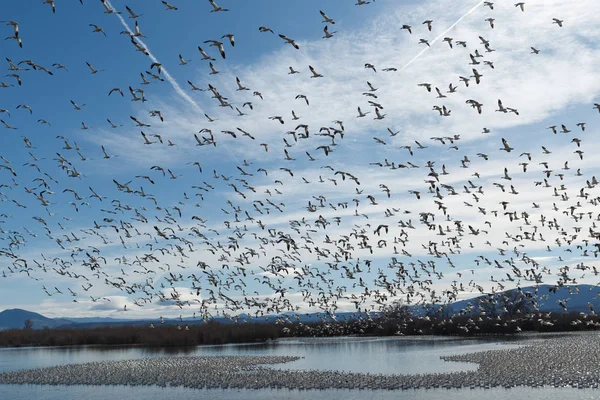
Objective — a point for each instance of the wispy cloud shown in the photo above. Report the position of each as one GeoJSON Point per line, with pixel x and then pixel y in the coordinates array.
{"type": "Point", "coordinates": [167, 75]}
{"type": "Point", "coordinates": [555, 87]}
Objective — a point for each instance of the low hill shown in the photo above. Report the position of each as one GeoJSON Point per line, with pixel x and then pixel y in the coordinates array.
{"type": "Point", "coordinates": [544, 298]}
{"type": "Point", "coordinates": [15, 319]}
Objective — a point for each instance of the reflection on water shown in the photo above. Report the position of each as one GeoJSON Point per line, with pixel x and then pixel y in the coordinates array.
{"type": "Point", "coordinates": [386, 355]}
{"type": "Point", "coordinates": [156, 393]}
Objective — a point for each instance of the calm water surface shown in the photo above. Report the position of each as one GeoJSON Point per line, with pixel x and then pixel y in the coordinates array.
{"type": "Point", "coordinates": [389, 356]}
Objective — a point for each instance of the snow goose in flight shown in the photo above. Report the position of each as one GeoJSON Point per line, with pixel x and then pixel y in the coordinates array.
{"type": "Point", "coordinates": [521, 5]}
{"type": "Point", "coordinates": [213, 71]}
{"type": "Point", "coordinates": [107, 9]}
{"type": "Point", "coordinates": [501, 108]}
{"type": "Point", "coordinates": [361, 114]}
{"type": "Point", "coordinates": [477, 76]}
{"type": "Point", "coordinates": [94, 70]}
{"type": "Point", "coordinates": [217, 44]}
{"type": "Point", "coordinates": [240, 86]}
{"type": "Point", "coordinates": [230, 37]}
{"type": "Point", "coordinates": [17, 77]}
{"type": "Point", "coordinates": [301, 96]}
{"type": "Point", "coordinates": [138, 122]}
{"type": "Point", "coordinates": [293, 71]}
{"type": "Point", "coordinates": [7, 126]}
{"type": "Point", "coordinates": [204, 55]}
{"type": "Point", "coordinates": [169, 6]}
{"type": "Point", "coordinates": [264, 29]}
{"type": "Point", "coordinates": [78, 108]}
{"type": "Point", "coordinates": [328, 34]}
{"type": "Point", "coordinates": [97, 29]}
{"type": "Point", "coordinates": [491, 22]}
{"type": "Point", "coordinates": [183, 61]}
{"type": "Point", "coordinates": [428, 22]}
{"type": "Point", "coordinates": [426, 86]}
{"type": "Point", "coordinates": [557, 21]}
{"type": "Point", "coordinates": [379, 115]}
{"type": "Point", "coordinates": [290, 41]}
{"type": "Point", "coordinates": [371, 66]}
{"type": "Point", "coordinates": [475, 104]}
{"type": "Point", "coordinates": [144, 80]}
{"type": "Point", "coordinates": [136, 30]}
{"type": "Point", "coordinates": [132, 15]}
{"type": "Point", "coordinates": [112, 125]}
{"type": "Point", "coordinates": [277, 118]}
{"type": "Point", "coordinates": [489, 4]}
{"type": "Point", "coordinates": [26, 107]}
{"type": "Point", "coordinates": [51, 2]}
{"type": "Point", "coordinates": [505, 146]}
{"type": "Point", "coordinates": [362, 3]}
{"type": "Point", "coordinates": [534, 50]}
{"type": "Point", "coordinates": [326, 19]}
{"type": "Point", "coordinates": [424, 41]}
{"type": "Point", "coordinates": [216, 8]}
{"type": "Point", "coordinates": [138, 46]}
{"type": "Point", "coordinates": [157, 65]}
{"type": "Point", "coordinates": [157, 113]}
{"type": "Point", "coordinates": [154, 76]}
{"type": "Point", "coordinates": [105, 156]}
{"type": "Point", "coordinates": [407, 27]}
{"type": "Point", "coordinates": [116, 90]}
{"type": "Point", "coordinates": [315, 74]}
{"type": "Point", "coordinates": [13, 67]}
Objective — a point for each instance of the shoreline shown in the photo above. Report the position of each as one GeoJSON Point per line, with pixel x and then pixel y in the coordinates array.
{"type": "Point", "coordinates": [554, 361]}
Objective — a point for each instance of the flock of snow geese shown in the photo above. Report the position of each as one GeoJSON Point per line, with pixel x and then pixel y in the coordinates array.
{"type": "Point", "coordinates": [244, 255]}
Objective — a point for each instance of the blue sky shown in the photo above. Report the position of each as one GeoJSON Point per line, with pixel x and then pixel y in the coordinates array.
{"type": "Point", "coordinates": [554, 87]}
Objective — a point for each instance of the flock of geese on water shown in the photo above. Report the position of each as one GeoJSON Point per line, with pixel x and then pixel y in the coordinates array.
{"type": "Point", "coordinates": [243, 264]}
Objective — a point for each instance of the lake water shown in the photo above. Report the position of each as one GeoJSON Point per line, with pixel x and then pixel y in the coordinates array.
{"type": "Point", "coordinates": [389, 356]}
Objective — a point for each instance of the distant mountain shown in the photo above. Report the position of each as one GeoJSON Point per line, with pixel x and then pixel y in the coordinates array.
{"type": "Point", "coordinates": [545, 297]}
{"type": "Point", "coordinates": [86, 320]}
{"type": "Point", "coordinates": [15, 319]}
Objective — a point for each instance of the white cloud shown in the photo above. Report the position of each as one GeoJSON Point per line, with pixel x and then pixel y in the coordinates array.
{"type": "Point", "coordinates": [551, 88]}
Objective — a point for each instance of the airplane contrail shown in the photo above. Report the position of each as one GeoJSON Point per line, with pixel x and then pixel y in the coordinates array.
{"type": "Point", "coordinates": [168, 76]}
{"type": "Point", "coordinates": [442, 34]}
